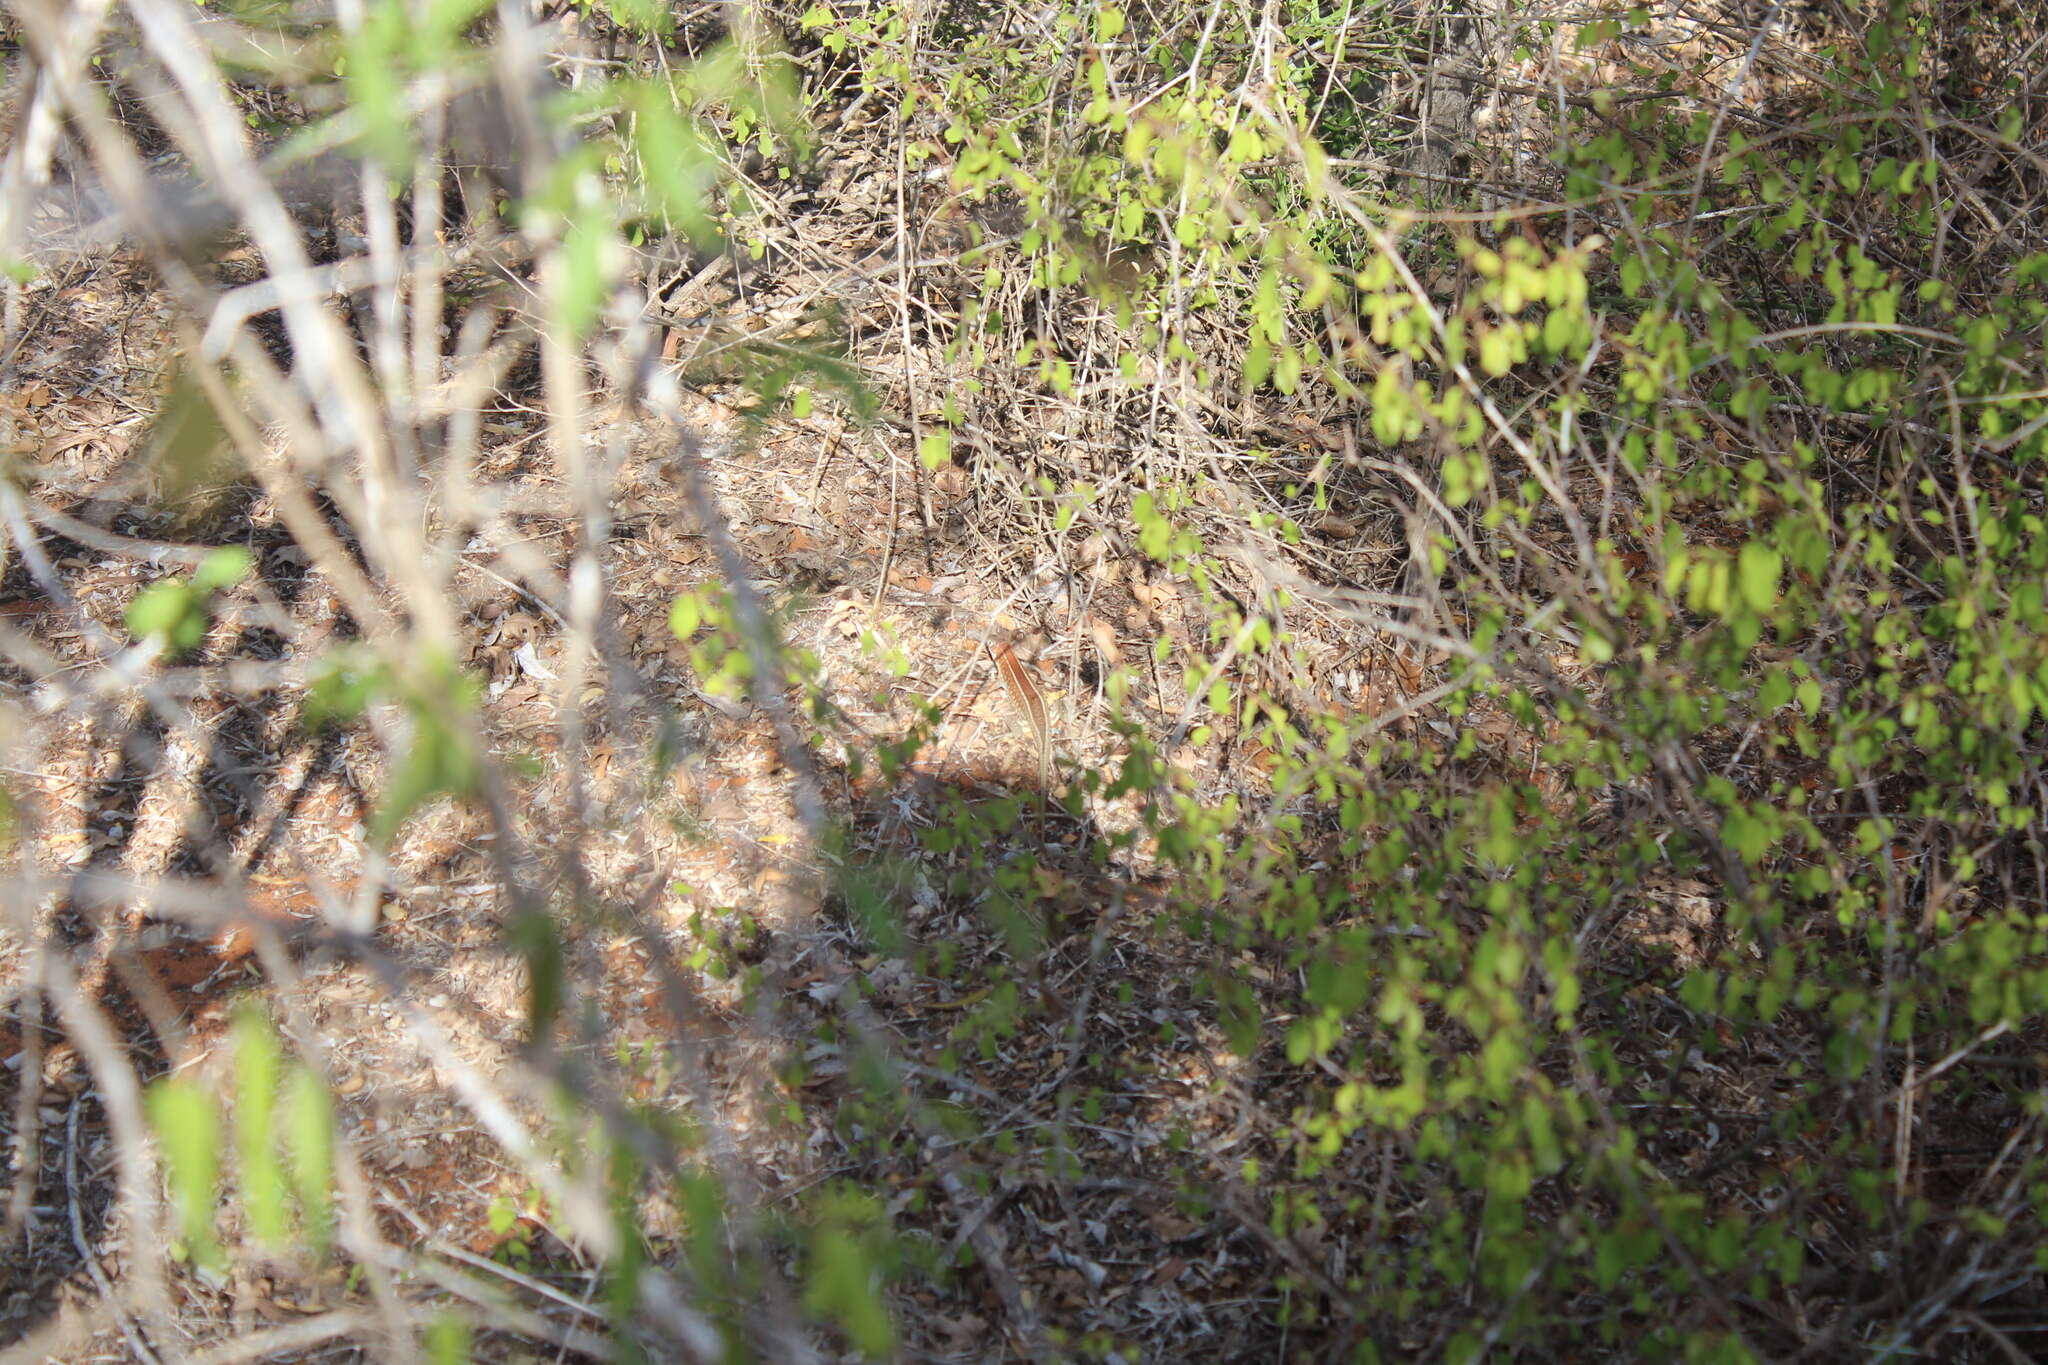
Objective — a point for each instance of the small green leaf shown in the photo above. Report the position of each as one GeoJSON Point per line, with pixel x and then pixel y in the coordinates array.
{"type": "Point", "coordinates": [188, 1130]}
{"type": "Point", "coordinates": [377, 62]}
{"type": "Point", "coordinates": [841, 1287]}
{"type": "Point", "coordinates": [341, 689]}
{"type": "Point", "coordinates": [686, 616]}
{"type": "Point", "coordinates": [583, 270]}
{"type": "Point", "coordinates": [677, 167]}
{"type": "Point", "coordinates": [448, 1341]}
{"type": "Point", "coordinates": [1757, 569]}
{"type": "Point", "coordinates": [258, 1061]}
{"type": "Point", "coordinates": [223, 568]}
{"type": "Point", "coordinates": [309, 1153]}
{"type": "Point", "coordinates": [172, 612]}
{"type": "Point", "coordinates": [651, 18]}
{"type": "Point", "coordinates": [535, 937]}
{"type": "Point", "coordinates": [1749, 835]}
{"type": "Point", "coordinates": [440, 760]}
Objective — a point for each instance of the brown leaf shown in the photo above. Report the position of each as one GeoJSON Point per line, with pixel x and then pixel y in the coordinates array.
{"type": "Point", "coordinates": [1336, 528]}
{"type": "Point", "coordinates": [58, 444]}
{"type": "Point", "coordinates": [1105, 641]}
{"type": "Point", "coordinates": [1169, 1226]}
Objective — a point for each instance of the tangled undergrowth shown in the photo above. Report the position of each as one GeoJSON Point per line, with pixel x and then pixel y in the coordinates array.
{"type": "Point", "coordinates": [1525, 534]}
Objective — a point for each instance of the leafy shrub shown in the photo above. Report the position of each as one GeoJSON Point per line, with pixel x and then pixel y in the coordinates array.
{"type": "Point", "coordinates": [1725, 490]}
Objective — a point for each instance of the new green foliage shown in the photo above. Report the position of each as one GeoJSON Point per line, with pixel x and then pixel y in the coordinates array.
{"type": "Point", "coordinates": [1732, 494]}
{"type": "Point", "coordinates": [280, 1119]}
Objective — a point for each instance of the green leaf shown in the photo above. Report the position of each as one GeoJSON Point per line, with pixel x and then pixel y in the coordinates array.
{"type": "Point", "coordinates": [191, 447]}
{"type": "Point", "coordinates": [1757, 570]}
{"type": "Point", "coordinates": [535, 937]}
{"type": "Point", "coordinates": [258, 1062]}
{"type": "Point", "coordinates": [375, 81]}
{"type": "Point", "coordinates": [172, 612]}
{"type": "Point", "coordinates": [223, 568]}
{"type": "Point", "coordinates": [874, 911]}
{"type": "Point", "coordinates": [677, 167]}
{"type": "Point", "coordinates": [188, 1131]}
{"type": "Point", "coordinates": [440, 760]}
{"type": "Point", "coordinates": [309, 1153]}
{"type": "Point", "coordinates": [1238, 1014]}
{"type": "Point", "coordinates": [652, 18]}
{"type": "Point", "coordinates": [841, 1288]}
{"type": "Point", "coordinates": [341, 689]}
{"type": "Point", "coordinates": [686, 617]}
{"type": "Point", "coordinates": [442, 26]}
{"type": "Point", "coordinates": [583, 269]}
{"type": "Point", "coordinates": [1749, 834]}
{"type": "Point", "coordinates": [448, 1341]}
